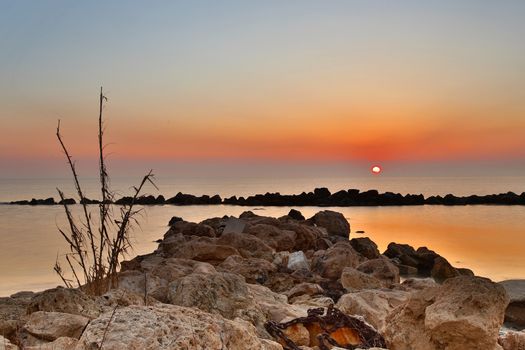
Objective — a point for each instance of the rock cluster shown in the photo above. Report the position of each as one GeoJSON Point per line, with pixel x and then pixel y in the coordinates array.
{"type": "Point", "coordinates": [319, 197]}
{"type": "Point", "coordinates": [256, 282]}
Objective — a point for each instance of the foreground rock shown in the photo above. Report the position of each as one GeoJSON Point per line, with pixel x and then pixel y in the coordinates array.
{"type": "Point", "coordinates": [464, 313]}
{"type": "Point", "coordinates": [512, 340]}
{"type": "Point", "coordinates": [169, 327]}
{"type": "Point", "coordinates": [216, 284]}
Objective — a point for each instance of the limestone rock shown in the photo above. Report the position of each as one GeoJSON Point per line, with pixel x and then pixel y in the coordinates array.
{"type": "Point", "coordinates": [373, 305]}
{"type": "Point", "coordinates": [166, 327]}
{"type": "Point", "coordinates": [62, 343]}
{"type": "Point", "coordinates": [331, 262]}
{"type": "Point", "coordinates": [382, 269]}
{"type": "Point", "coordinates": [512, 340]}
{"type": "Point", "coordinates": [334, 223]}
{"type": "Point", "coordinates": [275, 237]}
{"type": "Point", "coordinates": [49, 326]}
{"type": "Point", "coordinates": [304, 288]}
{"type": "Point", "coordinates": [143, 283]}
{"type": "Point", "coordinates": [69, 301]}
{"type": "Point", "coordinates": [366, 247]}
{"type": "Point", "coordinates": [220, 293]}
{"type": "Point", "coordinates": [13, 313]}
{"type": "Point", "coordinates": [254, 270]}
{"type": "Point", "coordinates": [298, 261]}
{"type": "Point", "coordinates": [191, 229]}
{"type": "Point", "coordinates": [248, 246]}
{"type": "Point", "coordinates": [352, 279]}
{"type": "Point", "coordinates": [5, 344]}
{"type": "Point", "coordinates": [443, 270]}
{"type": "Point", "coordinates": [464, 313]}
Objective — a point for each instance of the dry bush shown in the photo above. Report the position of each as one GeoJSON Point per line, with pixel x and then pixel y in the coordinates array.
{"type": "Point", "coordinates": [96, 246]}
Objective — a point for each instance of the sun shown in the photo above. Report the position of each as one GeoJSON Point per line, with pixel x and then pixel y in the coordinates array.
{"type": "Point", "coordinates": [376, 169]}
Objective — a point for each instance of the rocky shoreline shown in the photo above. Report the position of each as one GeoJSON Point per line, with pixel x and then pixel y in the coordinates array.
{"type": "Point", "coordinates": [321, 197]}
{"type": "Point", "coordinates": [256, 282]}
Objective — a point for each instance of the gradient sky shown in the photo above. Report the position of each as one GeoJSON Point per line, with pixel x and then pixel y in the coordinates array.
{"type": "Point", "coordinates": [405, 83]}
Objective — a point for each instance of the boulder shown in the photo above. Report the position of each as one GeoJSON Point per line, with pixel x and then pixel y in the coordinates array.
{"type": "Point", "coordinates": [169, 327]}
{"type": "Point", "coordinates": [373, 305]}
{"type": "Point", "coordinates": [515, 313]}
{"type": "Point", "coordinates": [66, 300]}
{"type": "Point", "coordinates": [331, 262]}
{"type": "Point", "coordinates": [468, 311]}
{"type": "Point", "coordinates": [296, 215]}
{"type": "Point", "coordinates": [304, 288]}
{"type": "Point", "coordinates": [62, 343]}
{"type": "Point", "coordinates": [254, 270]}
{"type": "Point", "coordinates": [275, 237]}
{"type": "Point", "coordinates": [191, 229]}
{"type": "Point", "coordinates": [248, 246]}
{"type": "Point", "coordinates": [298, 261]}
{"type": "Point", "coordinates": [512, 340]}
{"type": "Point", "coordinates": [307, 237]}
{"type": "Point", "coordinates": [201, 249]}
{"type": "Point", "coordinates": [143, 283]}
{"type": "Point", "coordinates": [220, 293]}
{"type": "Point", "coordinates": [13, 313]}
{"type": "Point", "coordinates": [49, 326]}
{"type": "Point", "coordinates": [334, 223]}
{"type": "Point", "coordinates": [366, 247]}
{"type": "Point", "coordinates": [464, 313]}
{"type": "Point", "coordinates": [442, 270]}
{"type": "Point", "coordinates": [382, 269]}
{"type": "Point", "coordinates": [352, 279]}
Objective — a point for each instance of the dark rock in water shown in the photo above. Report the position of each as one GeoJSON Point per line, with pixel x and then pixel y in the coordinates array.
{"type": "Point", "coordinates": [334, 223]}
{"type": "Point", "coordinates": [366, 247]}
{"type": "Point", "coordinates": [296, 214]}
{"type": "Point", "coordinates": [173, 220]}
{"type": "Point", "coordinates": [67, 201]}
{"type": "Point", "coordinates": [442, 270]}
{"type": "Point", "coordinates": [322, 192]}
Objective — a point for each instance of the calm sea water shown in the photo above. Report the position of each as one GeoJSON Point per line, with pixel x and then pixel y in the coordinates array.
{"type": "Point", "coordinates": [488, 239]}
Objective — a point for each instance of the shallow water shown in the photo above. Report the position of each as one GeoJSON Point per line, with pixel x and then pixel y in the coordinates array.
{"type": "Point", "coordinates": [487, 239]}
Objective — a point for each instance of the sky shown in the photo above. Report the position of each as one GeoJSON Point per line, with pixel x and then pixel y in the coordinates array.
{"type": "Point", "coordinates": [418, 86]}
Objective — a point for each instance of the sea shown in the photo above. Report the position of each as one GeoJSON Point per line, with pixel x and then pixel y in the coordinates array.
{"type": "Point", "coordinates": [488, 239]}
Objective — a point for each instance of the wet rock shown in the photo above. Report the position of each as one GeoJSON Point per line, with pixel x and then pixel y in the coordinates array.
{"type": "Point", "coordinates": [49, 326]}
{"type": "Point", "coordinates": [366, 247]}
{"type": "Point", "coordinates": [352, 279]}
{"type": "Point", "coordinates": [298, 334]}
{"type": "Point", "coordinates": [382, 269]}
{"type": "Point", "coordinates": [331, 262]}
{"type": "Point", "coordinates": [169, 327]}
{"type": "Point", "coordinates": [298, 261]}
{"type": "Point", "coordinates": [334, 223]}
{"type": "Point", "coordinates": [515, 313]}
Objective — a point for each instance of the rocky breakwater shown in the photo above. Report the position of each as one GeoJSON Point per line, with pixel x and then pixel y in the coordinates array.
{"type": "Point", "coordinates": [256, 282]}
{"type": "Point", "coordinates": [319, 197]}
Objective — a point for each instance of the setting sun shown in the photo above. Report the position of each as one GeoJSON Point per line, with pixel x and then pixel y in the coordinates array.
{"type": "Point", "coordinates": [376, 169]}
